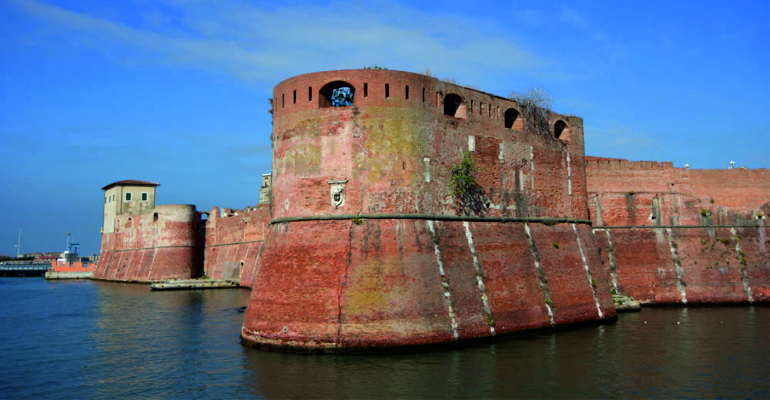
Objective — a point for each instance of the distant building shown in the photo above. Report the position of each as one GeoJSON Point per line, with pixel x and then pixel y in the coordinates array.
{"type": "Point", "coordinates": [266, 188]}
{"type": "Point", "coordinates": [127, 196]}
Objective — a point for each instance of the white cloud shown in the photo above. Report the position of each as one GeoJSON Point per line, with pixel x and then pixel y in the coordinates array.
{"type": "Point", "coordinates": [260, 44]}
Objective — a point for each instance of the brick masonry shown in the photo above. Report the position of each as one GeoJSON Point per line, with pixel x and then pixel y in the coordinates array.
{"type": "Point", "coordinates": [410, 279]}
{"type": "Point", "coordinates": [721, 257]}
{"type": "Point", "coordinates": [354, 246]}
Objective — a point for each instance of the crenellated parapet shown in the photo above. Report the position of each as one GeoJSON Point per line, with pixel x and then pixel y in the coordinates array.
{"type": "Point", "coordinates": [392, 149]}
{"type": "Point", "coordinates": [680, 235]}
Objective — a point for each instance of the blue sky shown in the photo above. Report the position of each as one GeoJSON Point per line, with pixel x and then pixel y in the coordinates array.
{"type": "Point", "coordinates": [176, 91]}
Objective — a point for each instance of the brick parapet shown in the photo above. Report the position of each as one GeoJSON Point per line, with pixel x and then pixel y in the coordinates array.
{"type": "Point", "coordinates": [161, 243]}
{"type": "Point", "coordinates": [395, 154]}
{"type": "Point", "coordinates": [389, 278]}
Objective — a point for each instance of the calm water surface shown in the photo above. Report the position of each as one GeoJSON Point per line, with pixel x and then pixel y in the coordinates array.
{"type": "Point", "coordinates": [86, 339]}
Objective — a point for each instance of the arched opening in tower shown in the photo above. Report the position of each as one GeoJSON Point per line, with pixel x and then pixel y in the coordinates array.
{"type": "Point", "coordinates": [511, 115]}
{"type": "Point", "coordinates": [453, 106]}
{"type": "Point", "coordinates": [560, 130]}
{"type": "Point", "coordinates": [336, 94]}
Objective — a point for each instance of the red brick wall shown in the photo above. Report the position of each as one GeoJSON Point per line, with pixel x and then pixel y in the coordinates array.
{"type": "Point", "coordinates": [235, 236]}
{"type": "Point", "coordinates": [336, 284]}
{"type": "Point", "coordinates": [145, 249]}
{"type": "Point", "coordinates": [699, 265]}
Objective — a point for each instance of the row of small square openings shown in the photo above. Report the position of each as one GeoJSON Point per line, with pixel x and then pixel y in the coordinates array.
{"type": "Point", "coordinates": [340, 94]}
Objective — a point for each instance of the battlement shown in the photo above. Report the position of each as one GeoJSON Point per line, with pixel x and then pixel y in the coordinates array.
{"type": "Point", "coordinates": [399, 89]}
{"type": "Point", "coordinates": [619, 163]}
{"type": "Point", "coordinates": [389, 146]}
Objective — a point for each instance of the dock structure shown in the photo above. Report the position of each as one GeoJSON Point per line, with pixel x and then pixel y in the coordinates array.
{"type": "Point", "coordinates": [13, 269]}
{"type": "Point", "coordinates": [194, 284]}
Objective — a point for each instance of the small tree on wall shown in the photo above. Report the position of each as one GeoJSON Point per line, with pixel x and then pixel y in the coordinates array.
{"type": "Point", "coordinates": [535, 106]}
{"type": "Point", "coordinates": [469, 196]}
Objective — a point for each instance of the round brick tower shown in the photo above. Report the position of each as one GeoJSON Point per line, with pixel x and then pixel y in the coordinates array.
{"type": "Point", "coordinates": [157, 244]}
{"type": "Point", "coordinates": [367, 250]}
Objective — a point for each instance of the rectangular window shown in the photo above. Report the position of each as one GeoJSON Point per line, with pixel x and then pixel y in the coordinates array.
{"type": "Point", "coordinates": [406, 92]}
{"type": "Point", "coordinates": [295, 97]}
{"type": "Point", "coordinates": [144, 196]}
{"type": "Point", "coordinates": [310, 93]}
{"type": "Point", "coordinates": [366, 90]}
{"type": "Point", "coordinates": [387, 90]}
{"type": "Point", "coordinates": [128, 196]}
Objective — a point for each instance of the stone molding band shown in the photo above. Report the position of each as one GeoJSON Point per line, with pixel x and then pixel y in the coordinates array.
{"type": "Point", "coordinates": [597, 228]}
{"type": "Point", "coordinates": [431, 217]}
{"type": "Point", "coordinates": [152, 248]}
{"type": "Point", "coordinates": [233, 243]}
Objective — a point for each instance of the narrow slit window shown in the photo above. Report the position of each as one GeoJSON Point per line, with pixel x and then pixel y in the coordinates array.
{"type": "Point", "coordinates": [406, 92]}
{"type": "Point", "coordinates": [387, 90]}
{"type": "Point", "coordinates": [295, 97]}
{"type": "Point", "coordinates": [310, 93]}
{"type": "Point", "coordinates": [283, 100]}
{"type": "Point", "coordinates": [366, 90]}
{"type": "Point", "coordinates": [481, 108]}
{"type": "Point", "coordinates": [471, 106]}
{"type": "Point", "coordinates": [423, 95]}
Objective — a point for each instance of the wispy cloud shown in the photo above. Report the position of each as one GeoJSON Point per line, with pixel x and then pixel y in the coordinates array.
{"type": "Point", "coordinates": [614, 135]}
{"type": "Point", "coordinates": [263, 44]}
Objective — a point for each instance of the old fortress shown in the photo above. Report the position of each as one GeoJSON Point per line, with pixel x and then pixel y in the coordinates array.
{"type": "Point", "coordinates": [357, 245]}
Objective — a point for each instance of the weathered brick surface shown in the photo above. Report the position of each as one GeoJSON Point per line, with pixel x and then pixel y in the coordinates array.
{"type": "Point", "coordinates": [755, 242]}
{"type": "Point", "coordinates": [510, 276]}
{"type": "Point", "coordinates": [599, 267]}
{"type": "Point", "coordinates": [335, 284]}
{"type": "Point", "coordinates": [158, 244]}
{"type": "Point", "coordinates": [710, 266]}
{"type": "Point", "coordinates": [644, 265]}
{"type": "Point", "coordinates": [571, 295]}
{"type": "Point", "coordinates": [624, 193]}
{"type": "Point", "coordinates": [233, 239]}
{"type": "Point", "coordinates": [338, 285]}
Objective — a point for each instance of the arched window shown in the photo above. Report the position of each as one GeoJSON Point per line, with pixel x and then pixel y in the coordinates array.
{"type": "Point", "coordinates": [561, 130]}
{"type": "Point", "coordinates": [155, 217]}
{"type": "Point", "coordinates": [511, 115]}
{"type": "Point", "coordinates": [336, 94]}
{"type": "Point", "coordinates": [453, 106]}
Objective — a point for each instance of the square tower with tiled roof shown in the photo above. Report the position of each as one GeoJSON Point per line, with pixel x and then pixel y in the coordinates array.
{"type": "Point", "coordinates": [127, 196]}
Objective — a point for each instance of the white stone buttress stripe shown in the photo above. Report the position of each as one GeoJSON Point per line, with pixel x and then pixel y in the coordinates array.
{"type": "Point", "coordinates": [480, 279]}
{"type": "Point", "coordinates": [588, 272]}
{"type": "Point", "coordinates": [540, 272]}
{"type": "Point", "coordinates": [677, 265]}
{"type": "Point", "coordinates": [742, 265]}
{"type": "Point", "coordinates": [444, 282]}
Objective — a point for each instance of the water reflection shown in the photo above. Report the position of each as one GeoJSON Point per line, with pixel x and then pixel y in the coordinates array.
{"type": "Point", "coordinates": [96, 339]}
